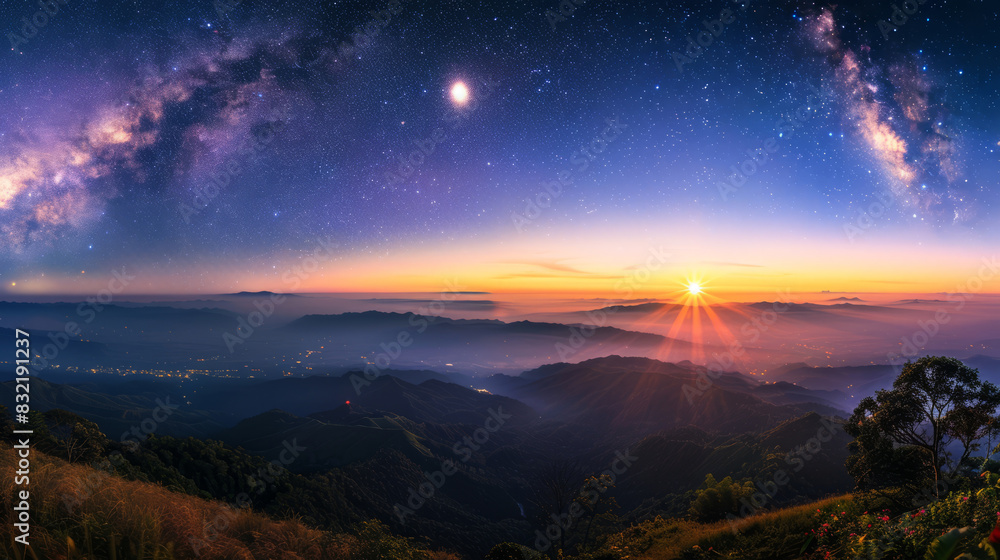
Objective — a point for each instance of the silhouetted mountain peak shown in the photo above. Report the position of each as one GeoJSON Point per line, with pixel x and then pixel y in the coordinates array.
{"type": "Point", "coordinates": [263, 293]}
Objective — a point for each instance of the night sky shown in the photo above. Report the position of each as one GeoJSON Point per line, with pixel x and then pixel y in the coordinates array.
{"type": "Point", "coordinates": [881, 149]}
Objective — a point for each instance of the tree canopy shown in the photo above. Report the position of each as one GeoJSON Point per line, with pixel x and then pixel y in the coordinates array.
{"type": "Point", "coordinates": [927, 426]}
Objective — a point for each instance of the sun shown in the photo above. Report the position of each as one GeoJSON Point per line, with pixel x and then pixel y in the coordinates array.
{"type": "Point", "coordinates": [694, 290]}
{"type": "Point", "coordinates": [459, 93]}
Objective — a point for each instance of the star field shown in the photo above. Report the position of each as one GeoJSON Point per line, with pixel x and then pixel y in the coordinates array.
{"type": "Point", "coordinates": [210, 144]}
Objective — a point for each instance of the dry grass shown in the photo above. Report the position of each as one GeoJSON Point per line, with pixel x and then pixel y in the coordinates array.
{"type": "Point", "coordinates": [78, 512]}
{"type": "Point", "coordinates": [667, 539]}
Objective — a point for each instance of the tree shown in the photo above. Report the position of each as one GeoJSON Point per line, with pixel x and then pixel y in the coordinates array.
{"type": "Point", "coordinates": [512, 551]}
{"type": "Point", "coordinates": [906, 431]}
{"type": "Point", "coordinates": [376, 542]}
{"type": "Point", "coordinates": [557, 485]}
{"type": "Point", "coordinates": [876, 462]}
{"type": "Point", "coordinates": [67, 435]}
{"type": "Point", "coordinates": [596, 506]}
{"type": "Point", "coordinates": [713, 500]}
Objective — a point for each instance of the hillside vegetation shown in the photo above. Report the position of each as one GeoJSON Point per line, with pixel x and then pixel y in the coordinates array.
{"type": "Point", "coordinates": [82, 513]}
{"type": "Point", "coordinates": [917, 456]}
{"type": "Point", "coordinates": [843, 527]}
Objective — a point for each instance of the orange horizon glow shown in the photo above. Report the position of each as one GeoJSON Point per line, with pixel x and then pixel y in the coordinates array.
{"type": "Point", "coordinates": [628, 265]}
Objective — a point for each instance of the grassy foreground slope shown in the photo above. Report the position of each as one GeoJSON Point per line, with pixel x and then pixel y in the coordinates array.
{"type": "Point", "coordinates": [852, 526]}
{"type": "Point", "coordinates": [80, 512]}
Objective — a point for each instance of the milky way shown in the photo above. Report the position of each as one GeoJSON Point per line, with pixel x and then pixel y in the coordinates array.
{"type": "Point", "coordinates": [893, 111]}
{"type": "Point", "coordinates": [210, 144]}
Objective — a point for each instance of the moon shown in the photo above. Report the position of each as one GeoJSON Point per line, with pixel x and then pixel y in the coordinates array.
{"type": "Point", "coordinates": [459, 93]}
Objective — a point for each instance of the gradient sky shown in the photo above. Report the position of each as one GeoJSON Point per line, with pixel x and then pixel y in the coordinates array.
{"type": "Point", "coordinates": [114, 115]}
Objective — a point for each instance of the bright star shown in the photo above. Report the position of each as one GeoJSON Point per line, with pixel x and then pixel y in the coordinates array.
{"type": "Point", "coordinates": [459, 93]}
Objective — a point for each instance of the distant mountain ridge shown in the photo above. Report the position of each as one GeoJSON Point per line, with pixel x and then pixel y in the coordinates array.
{"type": "Point", "coordinates": [640, 395]}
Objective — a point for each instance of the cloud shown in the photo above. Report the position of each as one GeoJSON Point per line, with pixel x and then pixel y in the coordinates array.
{"type": "Point", "coordinates": [554, 266]}
{"type": "Point", "coordinates": [723, 263]}
{"type": "Point", "coordinates": [518, 276]}
{"type": "Point", "coordinates": [457, 302]}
